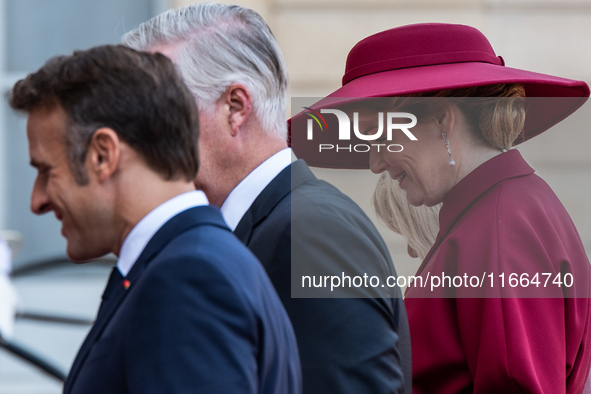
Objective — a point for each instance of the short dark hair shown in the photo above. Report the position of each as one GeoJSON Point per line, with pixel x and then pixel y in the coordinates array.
{"type": "Point", "coordinates": [139, 95]}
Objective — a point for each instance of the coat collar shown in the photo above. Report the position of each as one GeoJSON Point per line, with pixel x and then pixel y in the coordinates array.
{"type": "Point", "coordinates": [279, 188]}
{"type": "Point", "coordinates": [461, 197]}
{"type": "Point", "coordinates": [184, 221]}
{"type": "Point", "coordinates": [501, 167]}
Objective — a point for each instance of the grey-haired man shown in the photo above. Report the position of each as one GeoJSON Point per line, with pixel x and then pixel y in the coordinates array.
{"type": "Point", "coordinates": [233, 66]}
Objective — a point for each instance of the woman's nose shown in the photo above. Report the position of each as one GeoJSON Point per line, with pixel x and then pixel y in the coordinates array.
{"type": "Point", "coordinates": [376, 161]}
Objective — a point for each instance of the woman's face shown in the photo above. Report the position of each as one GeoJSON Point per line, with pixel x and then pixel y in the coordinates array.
{"type": "Point", "coordinates": [422, 168]}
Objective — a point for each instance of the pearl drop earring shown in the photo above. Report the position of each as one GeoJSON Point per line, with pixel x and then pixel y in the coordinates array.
{"type": "Point", "coordinates": [452, 162]}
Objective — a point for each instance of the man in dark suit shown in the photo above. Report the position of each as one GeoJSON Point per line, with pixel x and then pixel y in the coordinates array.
{"type": "Point", "coordinates": [233, 66]}
{"type": "Point", "coordinates": [113, 135]}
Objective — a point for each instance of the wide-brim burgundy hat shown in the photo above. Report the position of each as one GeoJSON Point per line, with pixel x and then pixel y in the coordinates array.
{"type": "Point", "coordinates": [431, 57]}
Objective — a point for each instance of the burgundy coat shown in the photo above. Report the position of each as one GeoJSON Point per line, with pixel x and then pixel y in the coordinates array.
{"type": "Point", "coordinates": [502, 219]}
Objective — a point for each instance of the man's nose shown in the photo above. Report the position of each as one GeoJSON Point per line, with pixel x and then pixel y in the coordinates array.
{"type": "Point", "coordinates": [40, 202]}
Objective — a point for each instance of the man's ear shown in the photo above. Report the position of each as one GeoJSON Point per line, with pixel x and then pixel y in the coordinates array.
{"type": "Point", "coordinates": [239, 101]}
{"type": "Point", "coordinates": [103, 153]}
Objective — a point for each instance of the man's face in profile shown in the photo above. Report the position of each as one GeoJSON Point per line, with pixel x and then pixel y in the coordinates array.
{"type": "Point", "coordinates": [77, 207]}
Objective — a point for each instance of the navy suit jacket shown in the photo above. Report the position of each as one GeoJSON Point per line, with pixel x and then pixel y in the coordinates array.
{"type": "Point", "coordinates": [352, 345]}
{"type": "Point", "coordinates": [199, 316]}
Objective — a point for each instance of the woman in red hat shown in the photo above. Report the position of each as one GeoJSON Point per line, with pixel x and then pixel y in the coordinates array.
{"type": "Point", "coordinates": [503, 299]}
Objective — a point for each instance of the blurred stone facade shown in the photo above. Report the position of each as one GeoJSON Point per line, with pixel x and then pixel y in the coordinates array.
{"type": "Point", "coordinates": [547, 36]}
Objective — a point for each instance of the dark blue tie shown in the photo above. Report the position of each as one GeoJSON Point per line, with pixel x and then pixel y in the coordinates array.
{"type": "Point", "coordinates": [115, 281]}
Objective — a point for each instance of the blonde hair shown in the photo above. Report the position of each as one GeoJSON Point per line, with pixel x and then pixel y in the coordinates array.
{"type": "Point", "coordinates": [497, 111]}
{"type": "Point", "coordinates": [418, 225]}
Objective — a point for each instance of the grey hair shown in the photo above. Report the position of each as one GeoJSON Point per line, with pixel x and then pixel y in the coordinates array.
{"type": "Point", "coordinates": [419, 225]}
{"type": "Point", "coordinates": [216, 45]}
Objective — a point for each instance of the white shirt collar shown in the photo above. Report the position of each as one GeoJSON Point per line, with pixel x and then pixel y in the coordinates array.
{"type": "Point", "coordinates": [144, 230]}
{"type": "Point", "coordinates": [244, 194]}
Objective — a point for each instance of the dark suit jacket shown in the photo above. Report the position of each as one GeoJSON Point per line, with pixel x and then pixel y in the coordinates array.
{"type": "Point", "coordinates": [353, 345]}
{"type": "Point", "coordinates": [199, 316]}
